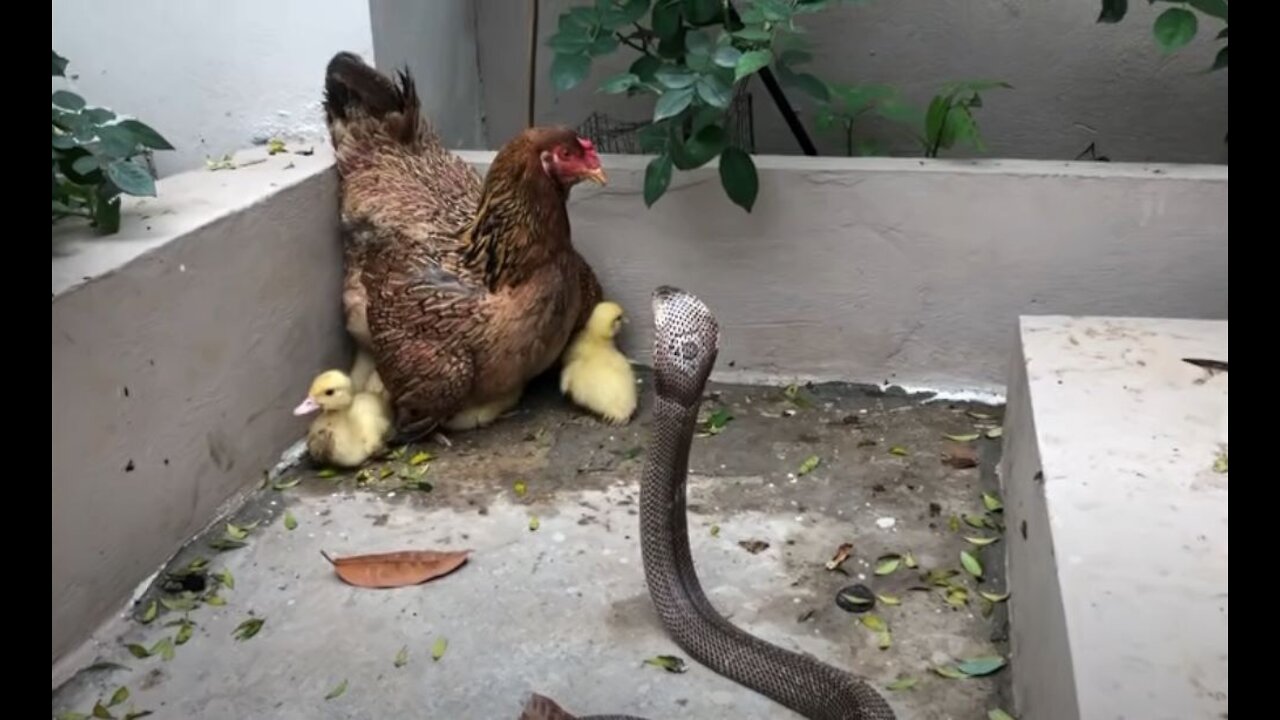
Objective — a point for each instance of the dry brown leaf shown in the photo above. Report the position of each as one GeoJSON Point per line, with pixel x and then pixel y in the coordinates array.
{"type": "Point", "coordinates": [396, 569]}
{"type": "Point", "coordinates": [842, 554]}
{"type": "Point", "coordinates": [960, 455]}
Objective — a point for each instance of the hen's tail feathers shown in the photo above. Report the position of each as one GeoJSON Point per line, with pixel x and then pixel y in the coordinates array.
{"type": "Point", "coordinates": [356, 94]}
{"type": "Point", "coordinates": [540, 707]}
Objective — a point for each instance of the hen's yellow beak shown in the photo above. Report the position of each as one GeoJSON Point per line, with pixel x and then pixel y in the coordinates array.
{"type": "Point", "coordinates": [597, 176]}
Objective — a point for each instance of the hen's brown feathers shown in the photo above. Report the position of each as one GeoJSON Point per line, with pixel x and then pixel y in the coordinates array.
{"type": "Point", "coordinates": [462, 291]}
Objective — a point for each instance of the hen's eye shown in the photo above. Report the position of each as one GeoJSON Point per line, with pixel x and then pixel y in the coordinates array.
{"type": "Point", "coordinates": [329, 391]}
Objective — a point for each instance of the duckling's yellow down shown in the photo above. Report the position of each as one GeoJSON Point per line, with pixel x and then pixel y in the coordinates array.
{"type": "Point", "coordinates": [596, 375]}
{"type": "Point", "coordinates": [352, 426]}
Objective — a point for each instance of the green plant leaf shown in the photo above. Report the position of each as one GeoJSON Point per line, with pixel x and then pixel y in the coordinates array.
{"type": "Point", "coordinates": [68, 100]}
{"type": "Point", "coordinates": [702, 12]}
{"type": "Point", "coordinates": [98, 116]}
{"type": "Point", "coordinates": [646, 68]}
{"type": "Point", "coordinates": [59, 65]}
{"type": "Point", "coordinates": [248, 628]}
{"type": "Point", "coordinates": [1220, 62]}
{"type": "Point", "coordinates": [934, 118]}
{"type": "Point", "coordinates": [438, 648]}
{"type": "Point", "coordinates": [887, 564]}
{"type": "Point", "coordinates": [1113, 11]}
{"type": "Point", "coordinates": [337, 691]}
{"type": "Point", "coordinates": [697, 43]}
{"type": "Point", "coordinates": [670, 663]}
{"type": "Point", "coordinates": [567, 71]}
{"type": "Point", "coordinates": [666, 19]}
{"type": "Point", "coordinates": [120, 695]}
{"type": "Point", "coordinates": [811, 86]}
{"type": "Point", "coordinates": [571, 41]}
{"type": "Point", "coordinates": [738, 176]}
{"type": "Point", "coordinates": [754, 34]}
{"type": "Point", "coordinates": [705, 144]}
{"type": "Point", "coordinates": [138, 651]}
{"type": "Point", "coordinates": [998, 714]}
{"type": "Point", "coordinates": [672, 103]}
{"type": "Point", "coordinates": [874, 622]}
{"type": "Point", "coordinates": [603, 45]}
{"type": "Point", "coordinates": [657, 176]}
{"type": "Point", "coordinates": [146, 136]}
{"type": "Point", "coordinates": [978, 667]}
{"type": "Point", "coordinates": [1222, 35]}
{"type": "Point", "coordinates": [290, 522]}
{"type": "Point", "coordinates": [1174, 28]}
{"type": "Point", "coordinates": [727, 56]}
{"type": "Point", "coordinates": [116, 142]}
{"type": "Point", "coordinates": [992, 502]}
{"type": "Point", "coordinates": [131, 178]}
{"type": "Point", "coordinates": [809, 465]}
{"type": "Point", "coordinates": [751, 62]}
{"type": "Point", "coordinates": [714, 91]}
{"type": "Point", "coordinates": [106, 216]}
{"type": "Point", "coordinates": [675, 77]}
{"type": "Point", "coordinates": [1212, 8]}
{"type": "Point", "coordinates": [633, 10]}
{"type": "Point", "coordinates": [621, 82]}
{"type": "Point", "coordinates": [85, 164]}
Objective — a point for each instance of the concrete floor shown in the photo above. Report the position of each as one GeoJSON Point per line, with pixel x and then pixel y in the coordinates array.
{"type": "Point", "coordinates": [562, 610]}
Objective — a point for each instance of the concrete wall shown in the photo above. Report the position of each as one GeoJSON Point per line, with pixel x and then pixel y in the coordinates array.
{"type": "Point", "coordinates": [436, 40]}
{"type": "Point", "coordinates": [212, 77]}
{"type": "Point", "coordinates": [179, 348]}
{"type": "Point", "coordinates": [1076, 82]}
{"type": "Point", "coordinates": [908, 271]}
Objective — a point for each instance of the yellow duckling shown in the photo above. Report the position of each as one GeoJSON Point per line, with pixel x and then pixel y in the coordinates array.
{"type": "Point", "coordinates": [596, 375]}
{"type": "Point", "coordinates": [352, 427]}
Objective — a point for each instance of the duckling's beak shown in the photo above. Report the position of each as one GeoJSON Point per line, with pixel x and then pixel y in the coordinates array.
{"type": "Point", "coordinates": [307, 407]}
{"type": "Point", "coordinates": [597, 176]}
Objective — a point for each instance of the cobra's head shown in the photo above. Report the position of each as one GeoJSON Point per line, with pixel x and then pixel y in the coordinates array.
{"type": "Point", "coordinates": [686, 338]}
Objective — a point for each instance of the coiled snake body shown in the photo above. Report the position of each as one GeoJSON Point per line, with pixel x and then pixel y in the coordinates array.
{"type": "Point", "coordinates": [686, 341]}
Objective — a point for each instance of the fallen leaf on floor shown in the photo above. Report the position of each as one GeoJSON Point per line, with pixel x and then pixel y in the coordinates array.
{"type": "Point", "coordinates": [386, 472]}
{"type": "Point", "coordinates": [327, 473]}
{"type": "Point", "coordinates": [290, 522]}
{"type": "Point", "coordinates": [534, 523]}
{"type": "Point", "coordinates": [842, 554]}
{"type": "Point", "coordinates": [223, 163]}
{"type": "Point", "coordinates": [438, 648]}
{"type": "Point", "coordinates": [1220, 462]}
{"type": "Point", "coordinates": [153, 609]}
{"type": "Point", "coordinates": [226, 543]}
{"type": "Point", "coordinates": [953, 523]}
{"type": "Point", "coordinates": [71, 715]}
{"type": "Point", "coordinates": [275, 146]}
{"type": "Point", "coordinates": [755, 547]}
{"type": "Point", "coordinates": [396, 569]}
{"type": "Point", "coordinates": [809, 465]}
{"type": "Point", "coordinates": [902, 683]}
{"type": "Point", "coordinates": [992, 502]}
{"type": "Point", "coordinates": [179, 604]}
{"type": "Point", "coordinates": [136, 714]}
{"type": "Point", "coordinates": [794, 394]}
{"type": "Point", "coordinates": [402, 657]}
{"type": "Point", "coordinates": [981, 541]}
{"type": "Point", "coordinates": [185, 630]}
{"type": "Point", "coordinates": [887, 564]}
{"type": "Point", "coordinates": [949, 671]}
{"type": "Point", "coordinates": [960, 456]}
{"type": "Point", "coordinates": [163, 648]}
{"type": "Point", "coordinates": [978, 667]}
{"type": "Point", "coordinates": [419, 458]}
{"type": "Point", "coordinates": [101, 711]}
{"type": "Point", "coordinates": [670, 663]}
{"type": "Point", "coordinates": [715, 422]}
{"type": "Point", "coordinates": [715, 531]}
{"type": "Point", "coordinates": [976, 521]}
{"type": "Point", "coordinates": [285, 484]}
{"type": "Point", "coordinates": [995, 432]}
{"type": "Point", "coordinates": [970, 563]}
{"type": "Point", "coordinates": [889, 599]}
{"type": "Point", "coordinates": [138, 651]}
{"type": "Point", "coordinates": [120, 695]}
{"type": "Point", "coordinates": [964, 438]}
{"type": "Point", "coordinates": [874, 622]}
{"type": "Point", "coordinates": [994, 597]}
{"type": "Point", "coordinates": [910, 560]}
{"type": "Point", "coordinates": [898, 450]}
{"type": "Point", "coordinates": [957, 596]}
{"type": "Point", "coordinates": [520, 488]}
{"type": "Point", "coordinates": [884, 640]}
{"type": "Point", "coordinates": [248, 628]}
{"type": "Point", "coordinates": [337, 690]}
{"type": "Point", "coordinates": [978, 415]}
{"type": "Point", "coordinates": [215, 600]}
{"type": "Point", "coordinates": [998, 714]}
{"type": "Point", "coordinates": [236, 532]}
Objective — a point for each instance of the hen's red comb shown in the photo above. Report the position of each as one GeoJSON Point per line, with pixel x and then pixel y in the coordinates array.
{"type": "Point", "coordinates": [586, 144]}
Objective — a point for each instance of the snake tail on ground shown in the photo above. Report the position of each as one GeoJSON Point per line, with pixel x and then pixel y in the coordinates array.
{"type": "Point", "coordinates": [686, 341]}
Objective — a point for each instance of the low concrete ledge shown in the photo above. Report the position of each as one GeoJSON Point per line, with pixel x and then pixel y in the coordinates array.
{"type": "Point", "coordinates": [179, 347]}
{"type": "Point", "coordinates": [1117, 519]}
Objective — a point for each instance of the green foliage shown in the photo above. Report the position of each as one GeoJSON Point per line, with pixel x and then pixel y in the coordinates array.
{"type": "Point", "coordinates": [94, 158]}
{"type": "Point", "coordinates": [1176, 26]}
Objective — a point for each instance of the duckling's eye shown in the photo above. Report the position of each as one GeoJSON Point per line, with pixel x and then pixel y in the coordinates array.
{"type": "Point", "coordinates": [329, 391]}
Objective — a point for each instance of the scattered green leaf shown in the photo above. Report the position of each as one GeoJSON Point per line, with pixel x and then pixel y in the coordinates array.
{"type": "Point", "coordinates": [275, 146]}
{"type": "Point", "coordinates": [327, 473]}
{"type": "Point", "coordinates": [419, 458]}
{"type": "Point", "coordinates": [138, 651]}
{"type": "Point", "coordinates": [670, 663]}
{"type": "Point", "coordinates": [715, 531]}
{"type": "Point", "coordinates": [884, 640]}
{"type": "Point", "coordinates": [976, 521]}
{"type": "Point", "coordinates": [402, 657]}
{"type": "Point", "coordinates": [534, 523]}
{"type": "Point", "coordinates": [981, 541]}
{"type": "Point", "coordinates": [101, 711]}
{"type": "Point", "coordinates": [898, 450]}
{"type": "Point", "coordinates": [1220, 462]}
{"type": "Point", "coordinates": [970, 563]}
{"type": "Point", "coordinates": [967, 437]}
{"type": "Point", "coordinates": [874, 622]}
{"type": "Point", "coordinates": [953, 523]}
{"type": "Point", "coordinates": [994, 597]}
{"type": "Point", "coordinates": [889, 599]}
{"type": "Point", "coordinates": [185, 630]}
{"type": "Point", "coordinates": [337, 691]}
{"type": "Point", "coordinates": [717, 421]}
{"type": "Point", "coordinates": [887, 564]}
{"type": "Point", "coordinates": [248, 628]}
{"type": "Point", "coordinates": [215, 600]}
{"type": "Point", "coordinates": [153, 609]}
{"type": "Point", "coordinates": [995, 432]}
{"type": "Point", "coordinates": [163, 648]}
{"type": "Point", "coordinates": [520, 488]}
{"type": "Point", "coordinates": [181, 603]}
{"type": "Point", "coordinates": [949, 671]}
{"type": "Point", "coordinates": [71, 715]}
{"type": "Point", "coordinates": [286, 483]}
{"type": "Point", "coordinates": [290, 522]}
{"type": "Point", "coordinates": [236, 532]}
{"type": "Point", "coordinates": [438, 648]}
{"type": "Point", "coordinates": [998, 714]}
{"type": "Point", "coordinates": [120, 695]}
{"type": "Point", "coordinates": [992, 502]}
{"type": "Point", "coordinates": [978, 667]}
{"type": "Point", "coordinates": [902, 683]}
{"type": "Point", "coordinates": [809, 465]}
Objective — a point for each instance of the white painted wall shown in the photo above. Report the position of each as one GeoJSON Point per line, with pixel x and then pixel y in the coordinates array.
{"type": "Point", "coordinates": [1075, 81]}
{"type": "Point", "coordinates": [212, 77]}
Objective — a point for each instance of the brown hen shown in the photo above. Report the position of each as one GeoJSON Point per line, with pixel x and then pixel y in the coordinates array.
{"type": "Point", "coordinates": [463, 290]}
